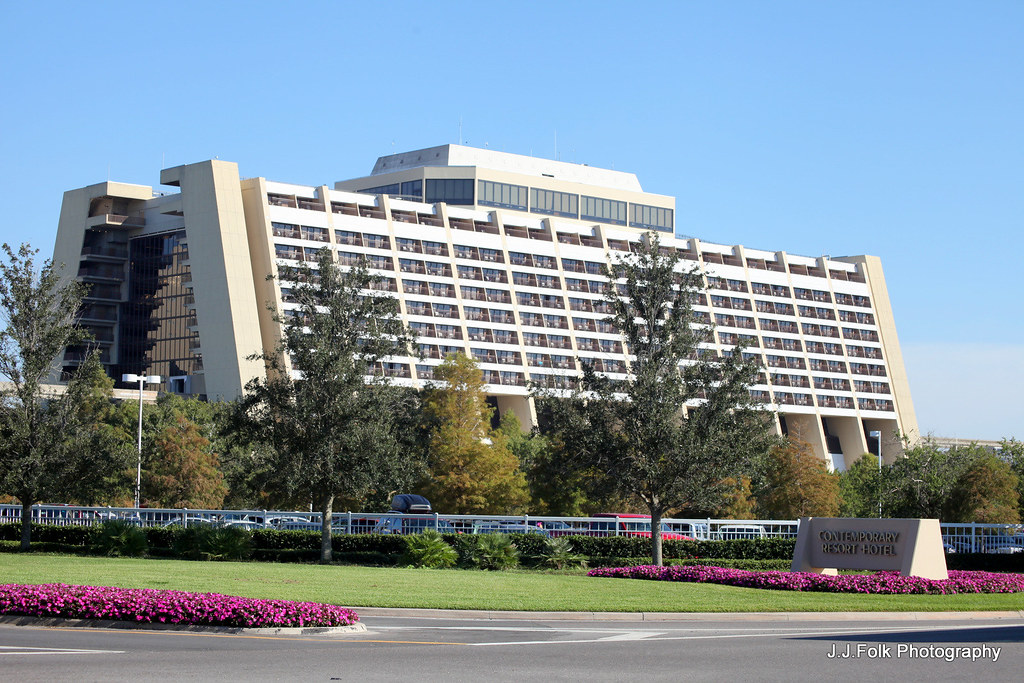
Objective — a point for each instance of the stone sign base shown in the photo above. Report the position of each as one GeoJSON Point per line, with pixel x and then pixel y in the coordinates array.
{"type": "Point", "coordinates": [913, 547]}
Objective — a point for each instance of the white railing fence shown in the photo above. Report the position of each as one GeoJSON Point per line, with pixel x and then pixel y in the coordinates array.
{"type": "Point", "coordinates": [958, 538]}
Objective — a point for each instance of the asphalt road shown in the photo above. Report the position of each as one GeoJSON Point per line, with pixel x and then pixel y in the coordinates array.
{"type": "Point", "coordinates": [401, 649]}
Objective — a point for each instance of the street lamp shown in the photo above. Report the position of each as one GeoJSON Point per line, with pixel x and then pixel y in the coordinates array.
{"type": "Point", "coordinates": [878, 436]}
{"type": "Point", "coordinates": [141, 379]}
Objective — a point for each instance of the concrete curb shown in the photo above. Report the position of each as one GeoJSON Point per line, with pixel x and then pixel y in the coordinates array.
{"type": "Point", "coordinates": [16, 620]}
{"type": "Point", "coordinates": [496, 615]}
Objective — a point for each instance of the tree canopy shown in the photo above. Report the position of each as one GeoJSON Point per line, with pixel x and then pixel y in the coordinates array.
{"type": "Point", "coordinates": [47, 440]}
{"type": "Point", "coordinates": [473, 470]}
{"type": "Point", "coordinates": [799, 484]}
{"type": "Point", "coordinates": [670, 431]}
{"type": "Point", "coordinates": [326, 411]}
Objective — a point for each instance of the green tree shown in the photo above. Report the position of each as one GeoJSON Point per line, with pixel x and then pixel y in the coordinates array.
{"type": "Point", "coordinates": [1013, 452]}
{"type": "Point", "coordinates": [799, 484]}
{"type": "Point", "coordinates": [187, 431]}
{"type": "Point", "coordinates": [986, 492]}
{"type": "Point", "coordinates": [667, 433]}
{"type": "Point", "coordinates": [921, 483]}
{"type": "Point", "coordinates": [738, 500]}
{"type": "Point", "coordinates": [47, 444]}
{"type": "Point", "coordinates": [108, 473]}
{"type": "Point", "coordinates": [473, 471]}
{"type": "Point", "coordinates": [860, 488]}
{"type": "Point", "coordinates": [329, 429]}
{"type": "Point", "coordinates": [183, 470]}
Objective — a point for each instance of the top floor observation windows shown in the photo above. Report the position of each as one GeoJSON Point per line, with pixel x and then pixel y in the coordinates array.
{"type": "Point", "coordinates": [564, 204]}
{"type": "Point", "coordinates": [502, 195]}
{"type": "Point", "coordinates": [653, 217]}
{"type": "Point", "coordinates": [411, 190]}
{"type": "Point", "coordinates": [602, 210]}
{"type": "Point", "coordinates": [449, 191]}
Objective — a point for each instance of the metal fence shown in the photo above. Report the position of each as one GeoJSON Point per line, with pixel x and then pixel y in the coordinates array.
{"type": "Point", "coordinates": [958, 538]}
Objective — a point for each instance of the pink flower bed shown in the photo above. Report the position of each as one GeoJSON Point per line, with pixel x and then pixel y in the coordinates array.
{"type": "Point", "coordinates": [880, 582]}
{"type": "Point", "coordinates": [166, 607]}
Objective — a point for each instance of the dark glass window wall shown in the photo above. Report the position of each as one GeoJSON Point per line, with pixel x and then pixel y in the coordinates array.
{"type": "Point", "coordinates": [155, 336]}
{"type": "Point", "coordinates": [449, 190]}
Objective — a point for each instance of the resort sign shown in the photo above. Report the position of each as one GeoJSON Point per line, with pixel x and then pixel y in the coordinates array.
{"type": "Point", "coordinates": [912, 547]}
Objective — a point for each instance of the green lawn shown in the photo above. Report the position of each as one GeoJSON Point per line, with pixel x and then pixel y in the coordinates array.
{"type": "Point", "coordinates": [460, 589]}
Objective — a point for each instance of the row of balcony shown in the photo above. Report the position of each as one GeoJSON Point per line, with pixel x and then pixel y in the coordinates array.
{"type": "Point", "coordinates": [542, 233]}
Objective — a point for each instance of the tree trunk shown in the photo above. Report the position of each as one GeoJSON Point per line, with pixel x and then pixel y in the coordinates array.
{"type": "Point", "coordinates": [26, 523]}
{"type": "Point", "coordinates": [655, 537]}
{"type": "Point", "coordinates": [327, 510]}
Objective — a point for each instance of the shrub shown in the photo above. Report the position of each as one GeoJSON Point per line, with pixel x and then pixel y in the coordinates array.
{"type": "Point", "coordinates": [80, 536]}
{"type": "Point", "coordinates": [161, 537]}
{"type": "Point", "coordinates": [207, 542]}
{"type": "Point", "coordinates": [429, 550]}
{"type": "Point", "coordinates": [493, 551]}
{"type": "Point", "coordinates": [557, 553]}
{"type": "Point", "coordinates": [265, 555]}
{"type": "Point", "coordinates": [120, 537]}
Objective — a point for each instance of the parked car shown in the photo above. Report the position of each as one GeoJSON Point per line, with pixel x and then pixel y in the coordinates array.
{"type": "Point", "coordinates": [412, 524]}
{"type": "Point", "coordinates": [1003, 545]}
{"type": "Point", "coordinates": [243, 524]}
{"type": "Point", "coordinates": [189, 520]}
{"type": "Point", "coordinates": [631, 525]}
{"type": "Point", "coordinates": [292, 523]}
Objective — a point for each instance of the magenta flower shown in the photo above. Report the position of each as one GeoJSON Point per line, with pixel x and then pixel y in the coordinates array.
{"type": "Point", "coordinates": [880, 582]}
{"type": "Point", "coordinates": [165, 606]}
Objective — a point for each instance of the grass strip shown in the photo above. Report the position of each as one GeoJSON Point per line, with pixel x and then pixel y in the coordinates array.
{"type": "Point", "coordinates": [460, 589]}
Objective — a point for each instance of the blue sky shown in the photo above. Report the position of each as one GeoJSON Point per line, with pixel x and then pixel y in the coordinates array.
{"type": "Point", "coordinates": [892, 129]}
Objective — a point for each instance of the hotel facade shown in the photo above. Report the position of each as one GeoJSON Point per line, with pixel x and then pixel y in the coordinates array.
{"type": "Point", "coordinates": [496, 255]}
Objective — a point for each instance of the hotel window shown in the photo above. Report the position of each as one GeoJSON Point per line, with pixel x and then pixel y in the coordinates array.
{"type": "Point", "coordinates": [554, 203]}
{"type": "Point", "coordinates": [541, 261]}
{"type": "Point", "coordinates": [603, 210]}
{"type": "Point", "coordinates": [502, 195]}
{"type": "Point", "coordinates": [449, 191]}
{"type": "Point", "coordinates": [656, 217]}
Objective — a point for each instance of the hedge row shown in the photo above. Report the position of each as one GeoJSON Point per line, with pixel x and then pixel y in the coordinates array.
{"type": "Point", "coordinates": [383, 550]}
{"type": "Point", "coordinates": [528, 544]}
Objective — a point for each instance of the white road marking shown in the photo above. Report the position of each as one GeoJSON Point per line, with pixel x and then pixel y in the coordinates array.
{"type": "Point", "coordinates": [691, 633]}
{"type": "Point", "coordinates": [24, 650]}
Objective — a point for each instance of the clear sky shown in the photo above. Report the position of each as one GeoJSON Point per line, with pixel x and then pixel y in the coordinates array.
{"type": "Point", "coordinates": [838, 128]}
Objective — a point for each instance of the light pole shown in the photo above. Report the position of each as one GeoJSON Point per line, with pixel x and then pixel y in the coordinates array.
{"type": "Point", "coordinates": [878, 436]}
{"type": "Point", "coordinates": [142, 380]}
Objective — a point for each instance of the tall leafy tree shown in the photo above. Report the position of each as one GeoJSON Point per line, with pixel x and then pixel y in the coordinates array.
{"type": "Point", "coordinates": [738, 500]}
{"type": "Point", "coordinates": [986, 492]}
{"type": "Point", "coordinates": [473, 470]}
{"type": "Point", "coordinates": [47, 444]}
{"type": "Point", "coordinates": [669, 432]}
{"type": "Point", "coordinates": [860, 488]}
{"type": "Point", "coordinates": [799, 484]}
{"type": "Point", "coordinates": [921, 483]}
{"type": "Point", "coordinates": [183, 470]}
{"type": "Point", "coordinates": [330, 427]}
{"type": "Point", "coordinates": [1012, 451]}
{"type": "Point", "coordinates": [181, 444]}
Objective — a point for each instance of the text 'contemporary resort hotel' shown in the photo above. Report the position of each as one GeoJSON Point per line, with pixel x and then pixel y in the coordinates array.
{"type": "Point", "coordinates": [493, 254]}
